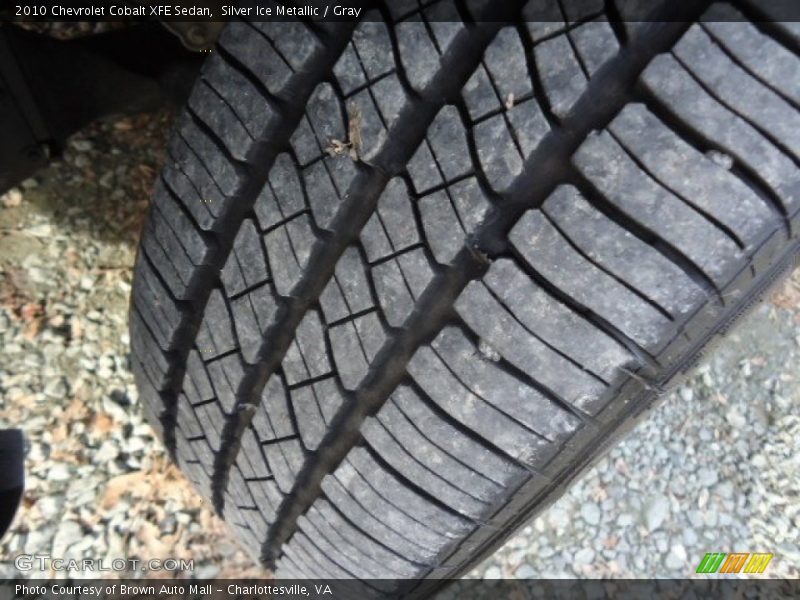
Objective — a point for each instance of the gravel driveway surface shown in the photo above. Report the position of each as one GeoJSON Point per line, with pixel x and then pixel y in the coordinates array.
{"type": "Point", "coordinates": [715, 468]}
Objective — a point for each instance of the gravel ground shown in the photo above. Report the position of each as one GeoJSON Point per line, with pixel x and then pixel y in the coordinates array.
{"type": "Point", "coordinates": [715, 468]}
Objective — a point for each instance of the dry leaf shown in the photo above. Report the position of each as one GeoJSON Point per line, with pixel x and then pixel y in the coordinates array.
{"type": "Point", "coordinates": [354, 130]}
{"type": "Point", "coordinates": [788, 296]}
{"type": "Point", "coordinates": [102, 423]}
{"type": "Point", "coordinates": [337, 147]}
{"type": "Point", "coordinates": [135, 483]}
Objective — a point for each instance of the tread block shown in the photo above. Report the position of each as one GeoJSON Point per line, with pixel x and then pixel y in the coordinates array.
{"type": "Point", "coordinates": [396, 454]}
{"type": "Point", "coordinates": [304, 143]}
{"type": "Point", "coordinates": [224, 173]}
{"type": "Point", "coordinates": [215, 335]}
{"type": "Point", "coordinates": [561, 74]}
{"type": "Point", "coordinates": [528, 125]}
{"type": "Point", "coordinates": [567, 379]}
{"type": "Point", "coordinates": [392, 227]}
{"type": "Point", "coordinates": [542, 19]}
{"type": "Point", "coordinates": [196, 248]}
{"type": "Point", "coordinates": [253, 314]}
{"type": "Point", "coordinates": [581, 9]}
{"type": "Point", "coordinates": [595, 43]}
{"type": "Point", "coordinates": [620, 252]}
{"type": "Point", "coordinates": [354, 501]}
{"type": "Point", "coordinates": [187, 193]}
{"type": "Point", "coordinates": [309, 419]}
{"type": "Point", "coordinates": [702, 182]}
{"type": "Point", "coordinates": [256, 522]}
{"type": "Point", "coordinates": [377, 109]}
{"type": "Point", "coordinates": [144, 346]}
{"type": "Point", "coordinates": [155, 305]}
{"type": "Point", "coordinates": [487, 421]}
{"type": "Point", "coordinates": [615, 174]}
{"type": "Point", "coordinates": [449, 215]}
{"type": "Point", "coordinates": [325, 115]}
{"type": "Point", "coordinates": [683, 96]}
{"type": "Point", "coordinates": [457, 444]}
{"type": "Point", "coordinates": [282, 196]}
{"type": "Point", "coordinates": [348, 292]}
{"type": "Point", "coordinates": [237, 488]}
{"type": "Point", "coordinates": [196, 384]}
{"type": "Point", "coordinates": [327, 181]}
{"type": "Point", "coordinates": [370, 40]}
{"type": "Point", "coordinates": [246, 266]}
{"type": "Point", "coordinates": [355, 344]}
{"type": "Point", "coordinates": [555, 323]}
{"type": "Point", "coordinates": [348, 71]}
{"type": "Point", "coordinates": [479, 94]}
{"type": "Point", "coordinates": [180, 264]}
{"type": "Point", "coordinates": [738, 90]}
{"type": "Point", "coordinates": [208, 106]}
{"type": "Point", "coordinates": [333, 568]}
{"type": "Point", "coordinates": [436, 453]}
{"type": "Point", "coordinates": [253, 109]}
{"type": "Point", "coordinates": [448, 142]}
{"type": "Point", "coordinates": [349, 536]}
{"type": "Point", "coordinates": [423, 170]}
{"type": "Point", "coordinates": [444, 156]}
{"type": "Point", "coordinates": [250, 460]}
{"type": "Point", "coordinates": [288, 251]}
{"type": "Point", "coordinates": [191, 182]}
{"type": "Point", "coordinates": [758, 53]}
{"type": "Point", "coordinates": [212, 419]}
{"type": "Point", "coordinates": [272, 419]}
{"type": "Point", "coordinates": [399, 282]}
{"type": "Point", "coordinates": [502, 390]}
{"type": "Point", "coordinates": [226, 374]}
{"type": "Point", "coordinates": [546, 251]}
{"type": "Point", "coordinates": [418, 53]}
{"type": "Point", "coordinates": [285, 458]}
{"type": "Point", "coordinates": [329, 398]}
{"type": "Point", "coordinates": [504, 60]}
{"type": "Point", "coordinates": [406, 500]}
{"type": "Point", "coordinates": [498, 153]}
{"type": "Point", "coordinates": [187, 419]}
{"type": "Point", "coordinates": [319, 403]}
{"type": "Point", "coordinates": [167, 256]}
{"type": "Point", "coordinates": [371, 334]}
{"type": "Point", "coordinates": [343, 553]}
{"type": "Point", "coordinates": [307, 357]}
{"type": "Point", "coordinates": [257, 54]}
{"type": "Point", "coordinates": [267, 497]}
{"type": "Point", "coordinates": [293, 40]}
{"type": "Point", "coordinates": [205, 456]}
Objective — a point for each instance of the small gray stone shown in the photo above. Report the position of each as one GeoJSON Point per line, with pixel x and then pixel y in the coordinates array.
{"type": "Point", "coordinates": [493, 572]}
{"type": "Point", "coordinates": [656, 510]}
{"type": "Point", "coordinates": [58, 472]}
{"type": "Point", "coordinates": [707, 477]}
{"type": "Point", "coordinates": [526, 572]}
{"type": "Point", "coordinates": [590, 513]}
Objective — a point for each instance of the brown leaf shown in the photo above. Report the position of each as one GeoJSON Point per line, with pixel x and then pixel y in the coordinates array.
{"type": "Point", "coordinates": [788, 296]}
{"type": "Point", "coordinates": [354, 131]}
{"type": "Point", "coordinates": [102, 423]}
{"type": "Point", "coordinates": [135, 483]}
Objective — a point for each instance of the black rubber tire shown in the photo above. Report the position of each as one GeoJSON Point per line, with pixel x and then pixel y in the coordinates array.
{"type": "Point", "coordinates": [379, 359]}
